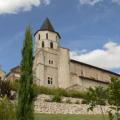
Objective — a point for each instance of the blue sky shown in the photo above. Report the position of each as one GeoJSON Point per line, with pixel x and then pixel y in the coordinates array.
{"type": "Point", "coordinates": [89, 28]}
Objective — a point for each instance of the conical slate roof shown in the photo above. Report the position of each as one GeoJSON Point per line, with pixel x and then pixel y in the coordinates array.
{"type": "Point", "coordinates": [47, 26]}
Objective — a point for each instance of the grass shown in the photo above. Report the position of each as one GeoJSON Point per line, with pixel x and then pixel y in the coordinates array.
{"type": "Point", "coordinates": [68, 117]}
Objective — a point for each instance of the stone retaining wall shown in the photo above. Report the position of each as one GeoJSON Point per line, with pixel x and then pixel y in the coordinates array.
{"type": "Point", "coordinates": [41, 106]}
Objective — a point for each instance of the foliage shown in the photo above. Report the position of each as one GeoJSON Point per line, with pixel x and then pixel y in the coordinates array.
{"type": "Point", "coordinates": [96, 96]}
{"type": "Point", "coordinates": [14, 85]}
{"type": "Point", "coordinates": [26, 88]}
{"type": "Point", "coordinates": [110, 114]}
{"type": "Point", "coordinates": [6, 89]}
{"type": "Point", "coordinates": [7, 109]}
{"type": "Point", "coordinates": [60, 91]}
{"type": "Point", "coordinates": [75, 94]}
{"type": "Point", "coordinates": [56, 98]}
{"type": "Point", "coordinates": [114, 96]}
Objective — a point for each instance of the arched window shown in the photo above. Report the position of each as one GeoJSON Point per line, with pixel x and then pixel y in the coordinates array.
{"type": "Point", "coordinates": [51, 44]}
{"type": "Point", "coordinates": [46, 35]}
{"type": "Point", "coordinates": [39, 36]}
{"type": "Point", "coordinates": [43, 44]}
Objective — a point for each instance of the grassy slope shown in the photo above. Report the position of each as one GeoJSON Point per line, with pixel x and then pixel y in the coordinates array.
{"type": "Point", "coordinates": [68, 117]}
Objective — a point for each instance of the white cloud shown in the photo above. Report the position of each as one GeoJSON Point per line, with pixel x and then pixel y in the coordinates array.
{"type": "Point", "coordinates": [90, 2]}
{"type": "Point", "coordinates": [14, 6]}
{"type": "Point", "coordinates": [108, 57]}
{"type": "Point", "coordinates": [116, 1]}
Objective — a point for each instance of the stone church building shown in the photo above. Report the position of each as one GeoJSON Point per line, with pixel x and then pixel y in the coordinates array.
{"type": "Point", "coordinates": [54, 68]}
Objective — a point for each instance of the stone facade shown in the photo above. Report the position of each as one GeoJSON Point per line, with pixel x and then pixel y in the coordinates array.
{"type": "Point", "coordinates": [51, 62]}
{"type": "Point", "coordinates": [54, 68]}
{"type": "Point", "coordinates": [14, 74]}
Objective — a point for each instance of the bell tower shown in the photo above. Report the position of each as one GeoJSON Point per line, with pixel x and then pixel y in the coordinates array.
{"type": "Point", "coordinates": [46, 55]}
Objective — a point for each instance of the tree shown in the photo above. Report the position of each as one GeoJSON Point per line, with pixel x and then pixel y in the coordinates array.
{"type": "Point", "coordinates": [114, 96]}
{"type": "Point", "coordinates": [26, 91]}
{"type": "Point", "coordinates": [96, 96]}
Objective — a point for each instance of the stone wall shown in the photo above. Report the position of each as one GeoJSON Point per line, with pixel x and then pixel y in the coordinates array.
{"type": "Point", "coordinates": [42, 106]}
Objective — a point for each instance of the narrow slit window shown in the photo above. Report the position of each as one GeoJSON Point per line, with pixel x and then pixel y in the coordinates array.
{"type": "Point", "coordinates": [39, 36]}
{"type": "Point", "coordinates": [49, 61]}
{"type": "Point", "coordinates": [49, 82]}
{"type": "Point", "coordinates": [43, 44]}
{"type": "Point", "coordinates": [56, 38]}
{"type": "Point", "coordinates": [46, 35]}
{"type": "Point", "coordinates": [51, 44]}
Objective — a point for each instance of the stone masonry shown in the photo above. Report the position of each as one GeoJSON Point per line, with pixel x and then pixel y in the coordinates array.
{"type": "Point", "coordinates": [42, 106]}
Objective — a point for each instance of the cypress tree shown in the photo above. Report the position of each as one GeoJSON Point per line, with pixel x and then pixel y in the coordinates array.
{"type": "Point", "coordinates": [25, 92]}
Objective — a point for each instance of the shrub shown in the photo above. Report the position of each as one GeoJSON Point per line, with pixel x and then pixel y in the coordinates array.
{"type": "Point", "coordinates": [75, 94]}
{"type": "Point", "coordinates": [56, 98]}
{"type": "Point", "coordinates": [7, 109]}
{"type": "Point", "coordinates": [60, 91]}
{"type": "Point", "coordinates": [43, 90]}
{"type": "Point", "coordinates": [6, 89]}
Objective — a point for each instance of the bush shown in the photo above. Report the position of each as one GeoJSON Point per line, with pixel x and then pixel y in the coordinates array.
{"type": "Point", "coordinates": [43, 90]}
{"type": "Point", "coordinates": [7, 109]}
{"type": "Point", "coordinates": [56, 98]}
{"type": "Point", "coordinates": [75, 94]}
{"type": "Point", "coordinates": [6, 89]}
{"type": "Point", "coordinates": [60, 91]}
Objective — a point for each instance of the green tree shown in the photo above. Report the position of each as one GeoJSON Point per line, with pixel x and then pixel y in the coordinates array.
{"type": "Point", "coordinates": [114, 96]}
{"type": "Point", "coordinates": [26, 91]}
{"type": "Point", "coordinates": [96, 96]}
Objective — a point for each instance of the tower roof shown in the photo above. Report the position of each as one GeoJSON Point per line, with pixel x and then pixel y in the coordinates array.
{"type": "Point", "coordinates": [47, 25]}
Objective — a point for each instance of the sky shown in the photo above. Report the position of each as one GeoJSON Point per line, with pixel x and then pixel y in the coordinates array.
{"type": "Point", "coordinates": [89, 28]}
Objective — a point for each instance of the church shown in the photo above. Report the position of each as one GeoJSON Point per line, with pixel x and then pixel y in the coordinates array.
{"type": "Point", "coordinates": [53, 67]}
